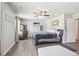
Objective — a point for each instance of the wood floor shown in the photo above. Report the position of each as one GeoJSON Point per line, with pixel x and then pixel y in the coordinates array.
{"type": "Point", "coordinates": [27, 48]}
{"type": "Point", "coordinates": [72, 46]}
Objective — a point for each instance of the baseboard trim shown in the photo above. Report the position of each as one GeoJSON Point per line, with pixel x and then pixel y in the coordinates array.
{"type": "Point", "coordinates": [10, 49]}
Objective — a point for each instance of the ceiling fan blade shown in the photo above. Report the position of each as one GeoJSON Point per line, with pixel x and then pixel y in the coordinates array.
{"type": "Point", "coordinates": [35, 13]}
{"type": "Point", "coordinates": [46, 15]}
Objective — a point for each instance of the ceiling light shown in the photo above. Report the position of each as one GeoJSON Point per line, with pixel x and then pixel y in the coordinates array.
{"type": "Point", "coordinates": [41, 13]}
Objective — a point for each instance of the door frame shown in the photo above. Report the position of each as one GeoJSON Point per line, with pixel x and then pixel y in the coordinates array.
{"type": "Point", "coordinates": [16, 30]}
{"type": "Point", "coordinates": [0, 26]}
{"type": "Point", "coordinates": [76, 29]}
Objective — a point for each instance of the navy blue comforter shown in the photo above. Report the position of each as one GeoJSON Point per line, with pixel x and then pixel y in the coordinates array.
{"type": "Point", "coordinates": [44, 35]}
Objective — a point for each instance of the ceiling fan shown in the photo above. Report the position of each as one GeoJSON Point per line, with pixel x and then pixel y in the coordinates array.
{"type": "Point", "coordinates": [41, 13]}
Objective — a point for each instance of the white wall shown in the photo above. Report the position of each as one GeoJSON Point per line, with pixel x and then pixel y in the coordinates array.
{"type": "Point", "coordinates": [31, 28]}
{"type": "Point", "coordinates": [61, 25]}
{"type": "Point", "coordinates": [0, 28]}
{"type": "Point", "coordinates": [61, 22]}
{"type": "Point", "coordinates": [67, 23]}
{"type": "Point", "coordinates": [75, 16]}
{"type": "Point", "coordinates": [8, 29]}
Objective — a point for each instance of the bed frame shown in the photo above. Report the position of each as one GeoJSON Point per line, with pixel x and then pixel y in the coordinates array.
{"type": "Point", "coordinates": [47, 39]}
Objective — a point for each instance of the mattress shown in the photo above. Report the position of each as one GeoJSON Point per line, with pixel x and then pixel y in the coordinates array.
{"type": "Point", "coordinates": [56, 50]}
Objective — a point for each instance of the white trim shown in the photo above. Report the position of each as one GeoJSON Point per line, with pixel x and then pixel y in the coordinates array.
{"type": "Point", "coordinates": [8, 49]}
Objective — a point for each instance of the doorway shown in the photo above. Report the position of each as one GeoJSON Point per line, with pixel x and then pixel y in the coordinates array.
{"type": "Point", "coordinates": [77, 30]}
{"type": "Point", "coordinates": [23, 32]}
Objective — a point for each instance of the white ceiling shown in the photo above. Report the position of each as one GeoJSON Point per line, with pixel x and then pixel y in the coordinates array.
{"type": "Point", "coordinates": [26, 9]}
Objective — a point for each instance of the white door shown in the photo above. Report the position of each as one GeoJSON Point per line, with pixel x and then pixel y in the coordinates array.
{"type": "Point", "coordinates": [70, 30]}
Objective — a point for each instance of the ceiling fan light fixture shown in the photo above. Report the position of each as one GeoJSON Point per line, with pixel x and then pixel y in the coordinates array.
{"type": "Point", "coordinates": [41, 13]}
{"type": "Point", "coordinates": [41, 17]}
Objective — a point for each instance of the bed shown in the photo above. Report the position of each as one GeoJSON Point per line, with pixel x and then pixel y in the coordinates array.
{"type": "Point", "coordinates": [56, 50]}
{"type": "Point", "coordinates": [45, 36]}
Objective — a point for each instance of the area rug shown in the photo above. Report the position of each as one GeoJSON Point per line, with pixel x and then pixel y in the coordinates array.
{"type": "Point", "coordinates": [56, 50]}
